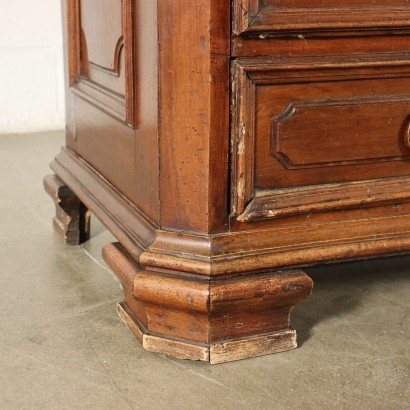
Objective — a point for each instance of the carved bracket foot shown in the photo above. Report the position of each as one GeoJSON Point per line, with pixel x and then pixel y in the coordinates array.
{"type": "Point", "coordinates": [72, 220]}
{"type": "Point", "coordinates": [205, 318]}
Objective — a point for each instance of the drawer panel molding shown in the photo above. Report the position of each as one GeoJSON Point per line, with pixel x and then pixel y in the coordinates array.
{"type": "Point", "coordinates": [307, 141]}
{"type": "Point", "coordinates": [370, 119]}
{"type": "Point", "coordinates": [269, 18]}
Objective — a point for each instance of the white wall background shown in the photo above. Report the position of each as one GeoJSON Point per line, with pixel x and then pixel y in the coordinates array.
{"type": "Point", "coordinates": [31, 66]}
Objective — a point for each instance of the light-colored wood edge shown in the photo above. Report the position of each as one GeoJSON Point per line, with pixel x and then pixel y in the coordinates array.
{"type": "Point", "coordinates": [177, 349]}
{"type": "Point", "coordinates": [252, 347]}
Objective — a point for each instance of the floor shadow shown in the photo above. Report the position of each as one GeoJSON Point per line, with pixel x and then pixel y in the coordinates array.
{"type": "Point", "coordinates": [97, 227]}
{"type": "Point", "coordinates": [342, 288]}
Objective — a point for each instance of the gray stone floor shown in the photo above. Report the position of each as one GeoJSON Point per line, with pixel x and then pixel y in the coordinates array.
{"type": "Point", "coordinates": [63, 347]}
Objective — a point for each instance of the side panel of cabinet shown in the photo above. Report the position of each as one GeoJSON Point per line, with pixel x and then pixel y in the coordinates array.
{"type": "Point", "coordinates": [112, 103]}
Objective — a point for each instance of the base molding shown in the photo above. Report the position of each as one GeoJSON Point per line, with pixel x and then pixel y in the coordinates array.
{"type": "Point", "coordinates": [381, 231]}
{"type": "Point", "coordinates": [215, 297]}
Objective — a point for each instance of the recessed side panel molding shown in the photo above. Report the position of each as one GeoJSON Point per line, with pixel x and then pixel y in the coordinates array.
{"type": "Point", "coordinates": [308, 134]}
{"type": "Point", "coordinates": [102, 63]}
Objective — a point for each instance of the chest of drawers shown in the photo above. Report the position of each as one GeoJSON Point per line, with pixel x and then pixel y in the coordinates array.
{"type": "Point", "coordinates": [226, 145]}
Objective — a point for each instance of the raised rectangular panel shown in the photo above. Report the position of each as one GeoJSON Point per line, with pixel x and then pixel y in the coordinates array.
{"type": "Point", "coordinates": [112, 93]}
{"type": "Point", "coordinates": [315, 132]}
{"type": "Point", "coordinates": [276, 17]}
{"type": "Point", "coordinates": [102, 55]}
{"type": "Point", "coordinates": [310, 135]}
{"type": "Point", "coordinates": [103, 46]}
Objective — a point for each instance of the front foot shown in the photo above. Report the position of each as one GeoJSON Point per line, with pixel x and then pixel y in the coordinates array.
{"type": "Point", "coordinates": [72, 220]}
{"type": "Point", "coordinates": [207, 318]}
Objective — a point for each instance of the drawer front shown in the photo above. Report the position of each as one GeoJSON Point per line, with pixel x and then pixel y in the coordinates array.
{"type": "Point", "coordinates": [276, 17]}
{"type": "Point", "coordinates": [304, 127]}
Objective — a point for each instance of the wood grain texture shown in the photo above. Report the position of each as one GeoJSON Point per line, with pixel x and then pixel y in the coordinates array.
{"type": "Point", "coordinates": [119, 215]}
{"type": "Point", "coordinates": [194, 115]}
{"type": "Point", "coordinates": [101, 104]}
{"type": "Point", "coordinates": [102, 61]}
{"type": "Point", "coordinates": [307, 46]}
{"type": "Point", "coordinates": [206, 319]}
{"type": "Point", "coordinates": [376, 122]}
{"type": "Point", "coordinates": [252, 347]}
{"type": "Point", "coordinates": [175, 348]}
{"type": "Point", "coordinates": [256, 304]}
{"type": "Point", "coordinates": [288, 244]}
{"type": "Point", "coordinates": [351, 17]}
{"type": "Point", "coordinates": [283, 135]}
{"type": "Point", "coordinates": [226, 145]}
{"type": "Point", "coordinates": [270, 204]}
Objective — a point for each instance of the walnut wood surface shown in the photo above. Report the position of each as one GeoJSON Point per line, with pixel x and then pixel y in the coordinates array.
{"type": "Point", "coordinates": [291, 123]}
{"type": "Point", "coordinates": [349, 16]}
{"type": "Point", "coordinates": [194, 115]}
{"type": "Point", "coordinates": [223, 142]}
{"type": "Point", "coordinates": [208, 319]}
{"type": "Point", "coordinates": [112, 115]}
